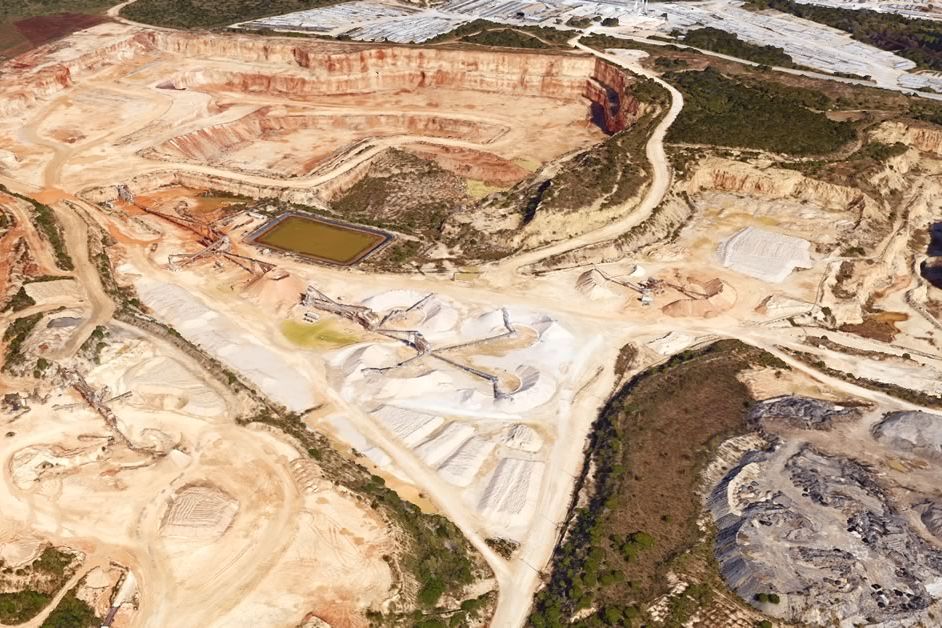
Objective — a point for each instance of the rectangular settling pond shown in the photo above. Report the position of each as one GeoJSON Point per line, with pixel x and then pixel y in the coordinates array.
{"type": "Point", "coordinates": [320, 239]}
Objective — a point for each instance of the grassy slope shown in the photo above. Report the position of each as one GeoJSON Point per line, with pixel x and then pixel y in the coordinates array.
{"type": "Point", "coordinates": [646, 451]}
{"type": "Point", "coordinates": [212, 13]}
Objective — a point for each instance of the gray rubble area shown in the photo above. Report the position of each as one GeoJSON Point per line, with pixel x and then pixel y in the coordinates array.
{"type": "Point", "coordinates": [818, 532]}
{"type": "Point", "coordinates": [801, 412]}
{"type": "Point", "coordinates": [918, 433]}
{"type": "Point", "coordinates": [930, 513]}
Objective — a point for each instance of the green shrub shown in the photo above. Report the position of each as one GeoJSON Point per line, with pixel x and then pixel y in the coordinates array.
{"type": "Point", "coordinates": [760, 115]}
{"type": "Point", "coordinates": [720, 41]}
{"type": "Point", "coordinates": [432, 589]}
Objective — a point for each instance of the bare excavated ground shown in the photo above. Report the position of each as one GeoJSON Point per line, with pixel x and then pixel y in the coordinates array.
{"type": "Point", "coordinates": [251, 424]}
{"type": "Point", "coordinates": [232, 105]}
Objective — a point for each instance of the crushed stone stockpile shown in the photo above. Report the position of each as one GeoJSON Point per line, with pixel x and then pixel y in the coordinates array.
{"type": "Point", "coordinates": [918, 433]}
{"type": "Point", "coordinates": [765, 255]}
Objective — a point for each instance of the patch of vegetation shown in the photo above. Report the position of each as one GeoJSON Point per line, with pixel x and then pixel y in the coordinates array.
{"type": "Point", "coordinates": [506, 38]}
{"type": "Point", "coordinates": [14, 337]}
{"type": "Point", "coordinates": [551, 37]}
{"type": "Point", "coordinates": [212, 13]}
{"type": "Point", "coordinates": [93, 346]}
{"type": "Point", "coordinates": [504, 547]}
{"type": "Point", "coordinates": [72, 612]}
{"type": "Point", "coordinates": [926, 111]}
{"type": "Point", "coordinates": [917, 40]}
{"type": "Point", "coordinates": [640, 479]}
{"type": "Point", "coordinates": [30, 589]}
{"type": "Point", "coordinates": [724, 111]}
{"type": "Point", "coordinates": [670, 63]}
{"type": "Point", "coordinates": [878, 151]}
{"type": "Point", "coordinates": [726, 43]}
{"type": "Point", "coordinates": [125, 297]}
{"type": "Point", "coordinates": [28, 8]}
{"type": "Point", "coordinates": [46, 278]}
{"type": "Point", "coordinates": [404, 193]}
{"type": "Point", "coordinates": [48, 225]}
{"type": "Point", "coordinates": [17, 608]}
{"type": "Point", "coordinates": [19, 301]}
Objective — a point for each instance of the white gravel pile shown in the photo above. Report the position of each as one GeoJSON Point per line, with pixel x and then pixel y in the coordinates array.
{"type": "Point", "coordinates": [511, 494]}
{"type": "Point", "coordinates": [765, 255]}
{"type": "Point", "coordinates": [227, 342]}
{"type": "Point", "coordinates": [437, 450]}
{"type": "Point", "coordinates": [412, 428]}
{"type": "Point", "coordinates": [461, 467]}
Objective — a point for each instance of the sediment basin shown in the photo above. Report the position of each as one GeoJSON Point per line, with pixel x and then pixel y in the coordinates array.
{"type": "Point", "coordinates": [319, 239]}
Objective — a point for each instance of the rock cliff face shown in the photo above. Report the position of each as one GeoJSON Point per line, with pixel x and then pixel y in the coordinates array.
{"type": "Point", "coordinates": [213, 143]}
{"type": "Point", "coordinates": [613, 105]}
{"type": "Point", "coordinates": [334, 69]}
{"type": "Point", "coordinates": [923, 137]}
{"type": "Point", "coordinates": [773, 183]}
{"type": "Point", "coordinates": [49, 69]}
{"type": "Point", "coordinates": [356, 69]}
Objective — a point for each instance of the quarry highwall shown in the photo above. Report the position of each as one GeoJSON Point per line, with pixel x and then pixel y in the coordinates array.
{"type": "Point", "coordinates": [151, 181]}
{"type": "Point", "coordinates": [613, 104]}
{"type": "Point", "coordinates": [352, 69]}
{"type": "Point", "coordinates": [309, 68]}
{"type": "Point", "coordinates": [32, 76]}
{"type": "Point", "coordinates": [214, 142]}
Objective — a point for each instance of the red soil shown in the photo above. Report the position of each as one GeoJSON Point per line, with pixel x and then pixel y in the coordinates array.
{"type": "Point", "coordinates": [46, 28]}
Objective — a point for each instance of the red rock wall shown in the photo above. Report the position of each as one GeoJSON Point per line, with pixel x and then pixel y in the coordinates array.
{"type": "Point", "coordinates": [613, 105]}
{"type": "Point", "coordinates": [351, 69]}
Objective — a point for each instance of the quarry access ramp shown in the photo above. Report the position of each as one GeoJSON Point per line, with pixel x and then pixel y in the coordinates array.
{"type": "Point", "coordinates": [660, 180]}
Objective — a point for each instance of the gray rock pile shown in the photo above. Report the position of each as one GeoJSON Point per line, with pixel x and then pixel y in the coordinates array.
{"type": "Point", "coordinates": [820, 534]}
{"type": "Point", "coordinates": [918, 433]}
{"type": "Point", "coordinates": [801, 412]}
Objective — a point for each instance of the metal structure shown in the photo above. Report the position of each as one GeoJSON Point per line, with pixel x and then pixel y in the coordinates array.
{"type": "Point", "coordinates": [214, 241]}
{"type": "Point", "coordinates": [371, 321]}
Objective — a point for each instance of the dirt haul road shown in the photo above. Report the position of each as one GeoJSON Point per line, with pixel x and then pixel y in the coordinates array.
{"type": "Point", "coordinates": [660, 180]}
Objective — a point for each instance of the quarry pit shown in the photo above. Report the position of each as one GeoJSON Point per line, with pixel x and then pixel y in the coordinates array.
{"type": "Point", "coordinates": [311, 114]}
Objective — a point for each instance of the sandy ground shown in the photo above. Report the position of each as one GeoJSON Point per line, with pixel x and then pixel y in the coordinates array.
{"type": "Point", "coordinates": [218, 530]}
{"type": "Point", "coordinates": [224, 526]}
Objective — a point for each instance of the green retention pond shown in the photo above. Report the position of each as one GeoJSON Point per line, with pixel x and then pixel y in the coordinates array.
{"type": "Point", "coordinates": [320, 239]}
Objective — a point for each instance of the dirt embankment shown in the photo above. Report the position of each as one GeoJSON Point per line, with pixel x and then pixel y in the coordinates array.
{"type": "Point", "coordinates": [924, 137]}
{"type": "Point", "coordinates": [197, 181]}
{"type": "Point", "coordinates": [49, 69]}
{"type": "Point", "coordinates": [724, 175]}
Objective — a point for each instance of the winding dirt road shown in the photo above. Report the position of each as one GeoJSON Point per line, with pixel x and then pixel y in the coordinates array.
{"type": "Point", "coordinates": [661, 177]}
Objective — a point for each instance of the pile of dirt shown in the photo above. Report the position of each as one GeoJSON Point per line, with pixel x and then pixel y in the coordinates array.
{"type": "Point", "coordinates": [919, 433]}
